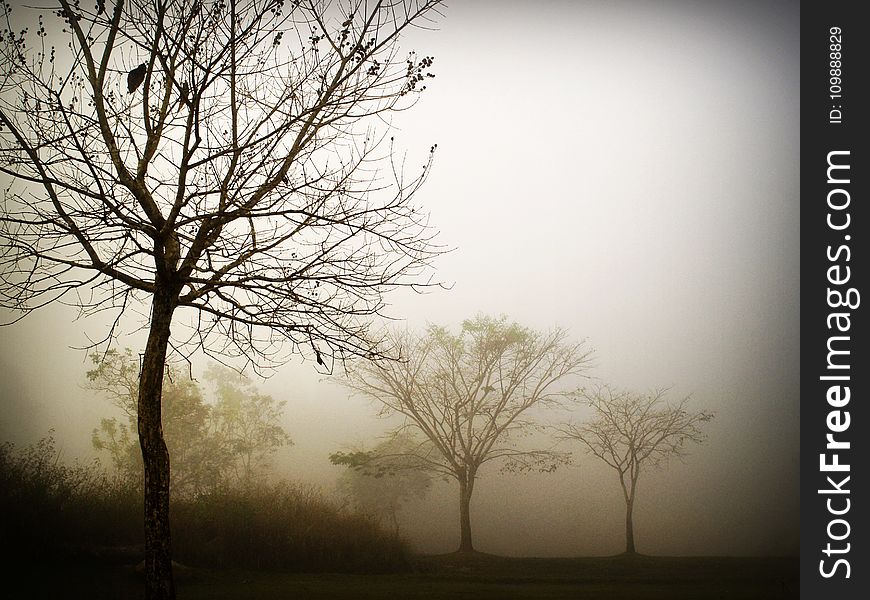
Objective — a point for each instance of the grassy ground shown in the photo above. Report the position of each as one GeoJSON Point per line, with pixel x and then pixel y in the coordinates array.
{"type": "Point", "coordinates": [478, 577]}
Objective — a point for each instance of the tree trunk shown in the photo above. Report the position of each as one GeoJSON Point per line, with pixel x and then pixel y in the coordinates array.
{"type": "Point", "coordinates": [629, 528]}
{"type": "Point", "coordinates": [465, 489]}
{"type": "Point", "coordinates": [159, 584]}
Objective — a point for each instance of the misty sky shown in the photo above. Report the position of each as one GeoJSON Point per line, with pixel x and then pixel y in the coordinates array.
{"type": "Point", "coordinates": [628, 170]}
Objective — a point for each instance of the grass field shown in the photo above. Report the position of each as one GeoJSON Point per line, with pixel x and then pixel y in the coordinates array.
{"type": "Point", "coordinates": [478, 577]}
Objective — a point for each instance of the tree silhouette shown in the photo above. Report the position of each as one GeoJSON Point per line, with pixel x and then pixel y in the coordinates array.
{"type": "Point", "coordinates": [471, 396]}
{"type": "Point", "coordinates": [260, 216]}
{"type": "Point", "coordinates": [632, 431]}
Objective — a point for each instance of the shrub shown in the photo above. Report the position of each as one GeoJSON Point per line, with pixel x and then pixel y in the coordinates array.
{"type": "Point", "coordinates": [51, 509]}
{"type": "Point", "coordinates": [48, 506]}
{"type": "Point", "coordinates": [281, 526]}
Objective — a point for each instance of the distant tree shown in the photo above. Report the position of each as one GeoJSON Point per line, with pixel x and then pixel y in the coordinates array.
{"type": "Point", "coordinates": [212, 445]}
{"type": "Point", "coordinates": [471, 395]}
{"type": "Point", "coordinates": [631, 432]}
{"type": "Point", "coordinates": [218, 161]}
{"type": "Point", "coordinates": [245, 423]}
{"type": "Point", "coordinates": [379, 481]}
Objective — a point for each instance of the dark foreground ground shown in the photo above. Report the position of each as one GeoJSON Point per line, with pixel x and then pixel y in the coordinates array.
{"type": "Point", "coordinates": [477, 577]}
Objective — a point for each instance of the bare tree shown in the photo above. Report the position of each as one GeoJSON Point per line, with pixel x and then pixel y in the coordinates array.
{"type": "Point", "coordinates": [471, 396]}
{"type": "Point", "coordinates": [216, 160]}
{"type": "Point", "coordinates": [632, 431]}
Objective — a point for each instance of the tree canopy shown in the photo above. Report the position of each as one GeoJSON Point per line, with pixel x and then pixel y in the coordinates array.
{"type": "Point", "coordinates": [241, 176]}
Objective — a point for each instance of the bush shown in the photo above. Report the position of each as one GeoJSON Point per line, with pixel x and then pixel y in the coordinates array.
{"type": "Point", "coordinates": [51, 509]}
{"type": "Point", "coordinates": [48, 506]}
{"type": "Point", "coordinates": [281, 526]}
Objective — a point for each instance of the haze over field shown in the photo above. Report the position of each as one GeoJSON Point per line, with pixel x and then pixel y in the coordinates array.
{"type": "Point", "coordinates": [628, 171]}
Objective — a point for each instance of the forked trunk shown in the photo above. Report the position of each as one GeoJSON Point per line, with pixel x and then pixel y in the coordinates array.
{"type": "Point", "coordinates": [159, 584]}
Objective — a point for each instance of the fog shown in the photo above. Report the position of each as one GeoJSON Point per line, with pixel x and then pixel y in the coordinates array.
{"type": "Point", "coordinates": [628, 171]}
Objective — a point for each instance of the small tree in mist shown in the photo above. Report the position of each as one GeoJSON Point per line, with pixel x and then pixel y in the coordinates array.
{"type": "Point", "coordinates": [471, 397]}
{"type": "Point", "coordinates": [631, 432]}
{"type": "Point", "coordinates": [213, 159]}
{"type": "Point", "coordinates": [379, 481]}
{"type": "Point", "coordinates": [245, 423]}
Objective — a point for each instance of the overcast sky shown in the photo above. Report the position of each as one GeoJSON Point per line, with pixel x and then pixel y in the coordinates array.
{"type": "Point", "coordinates": [628, 170]}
